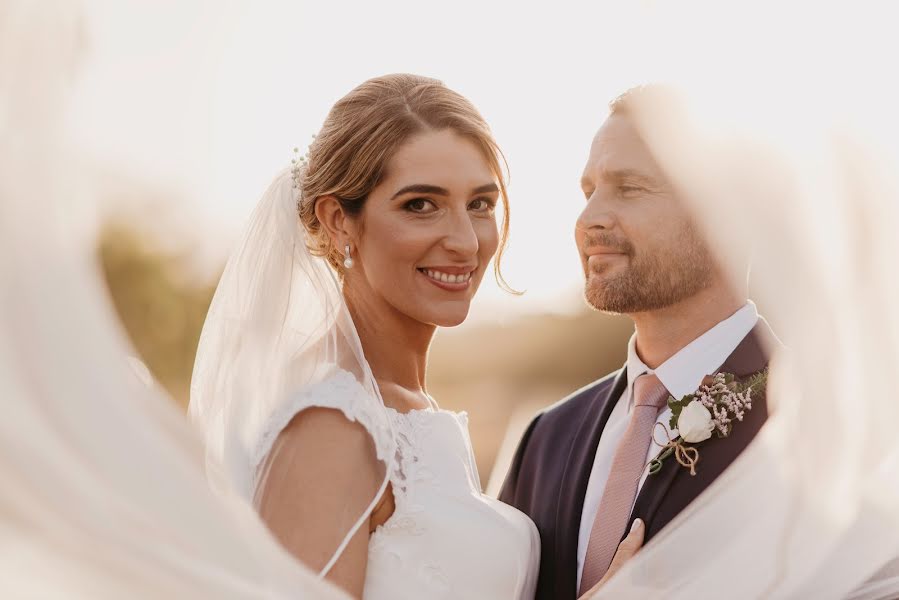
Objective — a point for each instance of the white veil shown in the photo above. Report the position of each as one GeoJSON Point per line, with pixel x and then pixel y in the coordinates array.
{"type": "Point", "coordinates": [102, 490]}
{"type": "Point", "coordinates": [279, 338]}
{"type": "Point", "coordinates": [811, 508]}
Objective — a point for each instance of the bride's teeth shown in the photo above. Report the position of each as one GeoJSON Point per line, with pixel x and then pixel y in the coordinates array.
{"type": "Point", "coordinates": [447, 277]}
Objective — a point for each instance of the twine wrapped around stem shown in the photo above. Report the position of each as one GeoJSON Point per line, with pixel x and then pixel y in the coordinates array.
{"type": "Point", "coordinates": [687, 456]}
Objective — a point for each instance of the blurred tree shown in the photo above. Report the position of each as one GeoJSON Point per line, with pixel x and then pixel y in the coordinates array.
{"type": "Point", "coordinates": [161, 305]}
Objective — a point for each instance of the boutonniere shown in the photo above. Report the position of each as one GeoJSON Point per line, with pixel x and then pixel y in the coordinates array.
{"type": "Point", "coordinates": [719, 403]}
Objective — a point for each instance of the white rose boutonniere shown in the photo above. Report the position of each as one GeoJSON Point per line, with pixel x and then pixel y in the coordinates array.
{"type": "Point", "coordinates": [719, 402]}
{"type": "Point", "coordinates": [695, 423]}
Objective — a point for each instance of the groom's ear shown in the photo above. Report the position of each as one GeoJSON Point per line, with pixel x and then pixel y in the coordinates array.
{"type": "Point", "coordinates": [335, 222]}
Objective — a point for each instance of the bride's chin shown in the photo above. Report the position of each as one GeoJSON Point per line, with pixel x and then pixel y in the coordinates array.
{"type": "Point", "coordinates": [450, 318]}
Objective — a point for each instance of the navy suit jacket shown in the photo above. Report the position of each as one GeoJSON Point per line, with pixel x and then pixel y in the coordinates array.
{"type": "Point", "coordinates": [551, 468]}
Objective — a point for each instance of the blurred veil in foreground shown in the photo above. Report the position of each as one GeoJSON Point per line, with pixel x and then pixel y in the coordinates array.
{"type": "Point", "coordinates": [102, 490]}
{"type": "Point", "coordinates": [102, 485]}
{"type": "Point", "coordinates": [796, 152]}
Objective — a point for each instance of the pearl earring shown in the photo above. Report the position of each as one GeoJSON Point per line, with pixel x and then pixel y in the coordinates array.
{"type": "Point", "coordinates": [348, 261]}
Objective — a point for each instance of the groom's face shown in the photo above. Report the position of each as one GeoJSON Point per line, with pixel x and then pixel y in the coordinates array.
{"type": "Point", "coordinates": [638, 246]}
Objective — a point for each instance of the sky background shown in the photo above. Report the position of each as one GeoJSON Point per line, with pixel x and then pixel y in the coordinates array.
{"type": "Point", "coordinates": [201, 102]}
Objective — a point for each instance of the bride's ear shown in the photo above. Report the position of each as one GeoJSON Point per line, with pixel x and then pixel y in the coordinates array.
{"type": "Point", "coordinates": [335, 221]}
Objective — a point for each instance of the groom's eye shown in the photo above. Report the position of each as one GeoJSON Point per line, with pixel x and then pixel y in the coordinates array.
{"type": "Point", "coordinates": [629, 190]}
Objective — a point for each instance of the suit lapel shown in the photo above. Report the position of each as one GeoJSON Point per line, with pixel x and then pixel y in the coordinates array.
{"type": "Point", "coordinates": [575, 478]}
{"type": "Point", "coordinates": [748, 358]}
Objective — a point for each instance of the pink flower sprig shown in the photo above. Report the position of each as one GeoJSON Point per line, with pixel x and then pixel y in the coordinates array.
{"type": "Point", "coordinates": [726, 399]}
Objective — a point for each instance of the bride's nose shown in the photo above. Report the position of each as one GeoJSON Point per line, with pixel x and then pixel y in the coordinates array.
{"type": "Point", "coordinates": [460, 236]}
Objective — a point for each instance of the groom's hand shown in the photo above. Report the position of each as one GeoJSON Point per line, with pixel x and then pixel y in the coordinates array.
{"type": "Point", "coordinates": [626, 549]}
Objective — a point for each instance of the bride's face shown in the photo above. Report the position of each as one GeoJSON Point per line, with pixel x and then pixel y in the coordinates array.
{"type": "Point", "coordinates": [428, 230]}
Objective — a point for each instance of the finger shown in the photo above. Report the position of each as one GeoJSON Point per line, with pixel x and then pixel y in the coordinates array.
{"type": "Point", "coordinates": [628, 546]}
{"type": "Point", "coordinates": [626, 550]}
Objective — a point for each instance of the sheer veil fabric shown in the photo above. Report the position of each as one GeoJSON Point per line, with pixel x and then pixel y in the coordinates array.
{"type": "Point", "coordinates": [811, 509]}
{"type": "Point", "coordinates": [279, 337]}
{"type": "Point", "coordinates": [102, 486]}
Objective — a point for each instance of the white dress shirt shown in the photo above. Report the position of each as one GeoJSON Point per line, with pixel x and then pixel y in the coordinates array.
{"type": "Point", "coordinates": [681, 375]}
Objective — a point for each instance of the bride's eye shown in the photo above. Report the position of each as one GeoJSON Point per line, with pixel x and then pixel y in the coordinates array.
{"type": "Point", "coordinates": [482, 205]}
{"type": "Point", "coordinates": [420, 205]}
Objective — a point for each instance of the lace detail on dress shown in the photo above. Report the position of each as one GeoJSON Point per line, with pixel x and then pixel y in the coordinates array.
{"type": "Point", "coordinates": [445, 540]}
{"type": "Point", "coordinates": [342, 392]}
{"type": "Point", "coordinates": [412, 429]}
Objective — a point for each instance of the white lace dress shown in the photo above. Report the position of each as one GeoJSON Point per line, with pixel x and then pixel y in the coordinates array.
{"type": "Point", "coordinates": [445, 538]}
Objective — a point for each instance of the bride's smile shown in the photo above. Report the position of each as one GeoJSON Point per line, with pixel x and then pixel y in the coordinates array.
{"type": "Point", "coordinates": [453, 279]}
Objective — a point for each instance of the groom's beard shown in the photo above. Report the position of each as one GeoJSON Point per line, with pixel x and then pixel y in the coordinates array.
{"type": "Point", "coordinates": [650, 281]}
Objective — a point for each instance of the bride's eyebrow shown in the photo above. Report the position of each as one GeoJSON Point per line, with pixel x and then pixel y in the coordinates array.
{"type": "Point", "coordinates": [424, 188]}
{"type": "Point", "coordinates": [485, 189]}
{"type": "Point", "coordinates": [421, 188]}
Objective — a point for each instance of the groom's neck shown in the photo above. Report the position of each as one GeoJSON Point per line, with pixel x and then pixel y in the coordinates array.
{"type": "Point", "coordinates": [663, 333]}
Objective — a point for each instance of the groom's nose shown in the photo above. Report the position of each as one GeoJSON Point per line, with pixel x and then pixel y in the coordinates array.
{"type": "Point", "coordinates": [596, 215]}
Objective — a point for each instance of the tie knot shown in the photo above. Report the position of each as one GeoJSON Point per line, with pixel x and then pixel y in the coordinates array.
{"type": "Point", "coordinates": [649, 391]}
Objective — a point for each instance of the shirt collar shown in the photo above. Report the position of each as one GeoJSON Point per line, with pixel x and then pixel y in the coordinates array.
{"type": "Point", "coordinates": [683, 372]}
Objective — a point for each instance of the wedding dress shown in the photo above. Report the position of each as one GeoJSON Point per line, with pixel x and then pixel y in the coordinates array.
{"type": "Point", "coordinates": [445, 538]}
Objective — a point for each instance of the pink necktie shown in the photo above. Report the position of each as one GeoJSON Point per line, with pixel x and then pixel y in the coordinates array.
{"type": "Point", "coordinates": [621, 488]}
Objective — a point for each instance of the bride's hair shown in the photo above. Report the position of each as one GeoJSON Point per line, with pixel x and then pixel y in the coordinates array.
{"type": "Point", "coordinates": [365, 128]}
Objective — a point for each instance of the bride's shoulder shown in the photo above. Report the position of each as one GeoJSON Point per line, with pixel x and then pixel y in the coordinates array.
{"type": "Point", "coordinates": [340, 389]}
{"type": "Point", "coordinates": [336, 405]}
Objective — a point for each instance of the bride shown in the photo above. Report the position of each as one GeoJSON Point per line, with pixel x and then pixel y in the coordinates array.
{"type": "Point", "coordinates": [310, 379]}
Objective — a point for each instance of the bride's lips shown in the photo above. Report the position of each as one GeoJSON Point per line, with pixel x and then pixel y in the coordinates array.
{"type": "Point", "coordinates": [451, 279]}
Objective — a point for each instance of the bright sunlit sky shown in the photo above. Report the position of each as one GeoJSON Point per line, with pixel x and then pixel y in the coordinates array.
{"type": "Point", "coordinates": [203, 101]}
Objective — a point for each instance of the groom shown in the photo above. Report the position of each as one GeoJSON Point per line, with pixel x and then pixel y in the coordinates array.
{"type": "Point", "coordinates": [579, 471]}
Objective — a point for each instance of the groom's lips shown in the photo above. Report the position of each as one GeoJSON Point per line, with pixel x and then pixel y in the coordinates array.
{"type": "Point", "coordinates": [597, 258]}
{"type": "Point", "coordinates": [600, 254]}
{"type": "Point", "coordinates": [597, 251]}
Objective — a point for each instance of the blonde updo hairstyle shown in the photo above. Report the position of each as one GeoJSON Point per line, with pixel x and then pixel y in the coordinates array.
{"type": "Point", "coordinates": [349, 156]}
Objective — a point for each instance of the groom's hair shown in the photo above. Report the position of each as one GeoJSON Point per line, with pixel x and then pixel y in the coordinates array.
{"type": "Point", "coordinates": [661, 114]}
{"type": "Point", "coordinates": [655, 96]}
{"type": "Point", "coordinates": [664, 107]}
